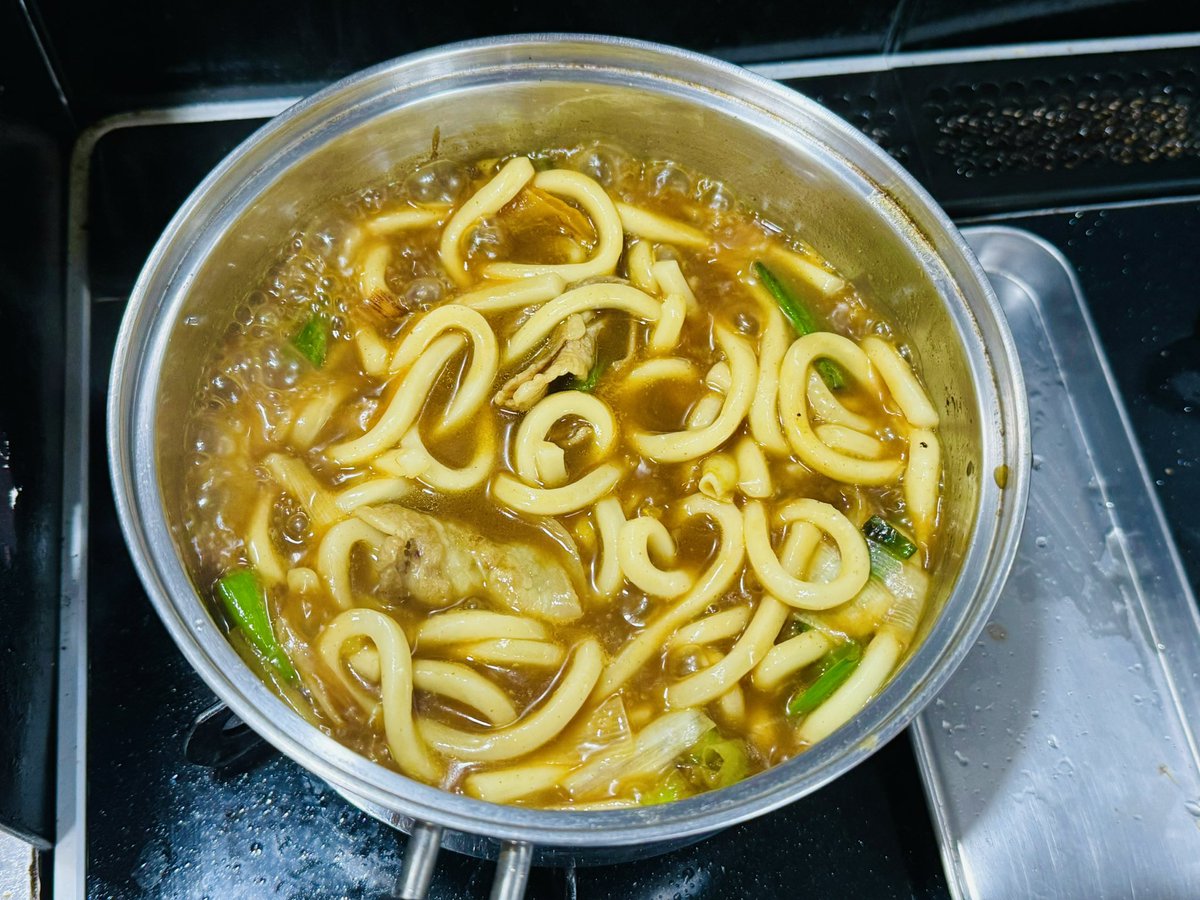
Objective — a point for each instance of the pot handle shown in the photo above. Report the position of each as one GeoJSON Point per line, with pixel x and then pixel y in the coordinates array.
{"type": "Point", "coordinates": [512, 870]}
{"type": "Point", "coordinates": [420, 862]}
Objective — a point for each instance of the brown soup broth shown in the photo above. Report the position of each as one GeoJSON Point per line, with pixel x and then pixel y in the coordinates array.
{"type": "Point", "coordinates": [257, 384]}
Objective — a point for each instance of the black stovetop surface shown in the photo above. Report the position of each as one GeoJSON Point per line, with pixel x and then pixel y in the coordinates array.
{"type": "Point", "coordinates": [161, 828]}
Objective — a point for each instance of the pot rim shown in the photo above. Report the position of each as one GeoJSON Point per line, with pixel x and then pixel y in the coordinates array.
{"type": "Point", "coordinates": [222, 197]}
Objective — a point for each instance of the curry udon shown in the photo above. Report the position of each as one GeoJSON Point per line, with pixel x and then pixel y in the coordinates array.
{"type": "Point", "coordinates": [563, 479]}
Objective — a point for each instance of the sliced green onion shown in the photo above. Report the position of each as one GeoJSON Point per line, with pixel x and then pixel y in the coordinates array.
{"type": "Point", "coordinates": [884, 566]}
{"type": "Point", "coordinates": [838, 665]}
{"type": "Point", "coordinates": [715, 762]}
{"type": "Point", "coordinates": [802, 319]}
{"type": "Point", "coordinates": [587, 385]}
{"type": "Point", "coordinates": [672, 787]}
{"type": "Point", "coordinates": [246, 603]}
{"type": "Point", "coordinates": [313, 340]}
{"type": "Point", "coordinates": [795, 627]}
{"type": "Point", "coordinates": [889, 537]}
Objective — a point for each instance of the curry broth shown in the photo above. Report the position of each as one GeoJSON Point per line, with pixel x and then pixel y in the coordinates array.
{"type": "Point", "coordinates": [257, 384]}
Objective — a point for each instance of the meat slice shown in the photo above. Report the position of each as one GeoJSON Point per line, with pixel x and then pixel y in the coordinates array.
{"type": "Point", "coordinates": [436, 563]}
{"type": "Point", "coordinates": [570, 351]}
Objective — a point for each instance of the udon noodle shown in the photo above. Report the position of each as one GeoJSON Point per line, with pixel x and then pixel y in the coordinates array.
{"type": "Point", "coordinates": [561, 479]}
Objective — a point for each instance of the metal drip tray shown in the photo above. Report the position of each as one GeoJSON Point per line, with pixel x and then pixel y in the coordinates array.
{"type": "Point", "coordinates": [1061, 760]}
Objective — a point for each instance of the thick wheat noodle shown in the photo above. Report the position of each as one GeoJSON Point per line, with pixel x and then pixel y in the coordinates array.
{"type": "Point", "coordinates": [514, 782]}
{"type": "Point", "coordinates": [652, 227]}
{"type": "Point", "coordinates": [670, 367]}
{"type": "Point", "coordinates": [715, 681]}
{"type": "Point", "coordinates": [637, 539]}
{"type": "Point", "coordinates": [829, 408]}
{"type": "Point", "coordinates": [671, 280]}
{"type": "Point", "coordinates": [395, 683]}
{"type": "Point", "coordinates": [669, 326]}
{"type": "Point", "coordinates": [639, 260]}
{"type": "Point", "coordinates": [372, 352]}
{"type": "Point", "coordinates": [259, 546]}
{"type": "Point", "coordinates": [506, 184]}
{"type": "Point", "coordinates": [550, 464]}
{"type": "Point", "coordinates": [534, 729]}
{"type": "Point", "coordinates": [334, 556]}
{"type": "Point", "coordinates": [513, 652]}
{"type": "Point", "coordinates": [855, 565]}
{"type": "Point", "coordinates": [372, 276]}
{"type": "Point", "coordinates": [715, 580]}
{"type": "Point", "coordinates": [460, 626]}
{"type": "Point", "coordinates": [718, 476]}
{"type": "Point", "coordinates": [315, 414]}
{"type": "Point", "coordinates": [414, 460]}
{"type": "Point", "coordinates": [901, 381]}
{"type": "Point", "coordinates": [677, 303]}
{"type": "Point", "coordinates": [705, 411]}
{"type": "Point", "coordinates": [609, 518]}
{"type": "Point", "coordinates": [877, 663]}
{"type": "Point", "coordinates": [588, 298]}
{"type": "Point", "coordinates": [294, 476]}
{"type": "Point", "coordinates": [821, 279]}
{"type": "Point", "coordinates": [405, 219]}
{"type": "Point", "coordinates": [712, 629]}
{"type": "Point", "coordinates": [408, 394]}
{"type": "Point", "coordinates": [463, 685]}
{"type": "Point", "coordinates": [303, 580]}
{"type": "Point", "coordinates": [371, 492]}
{"type": "Point", "coordinates": [921, 481]}
{"type": "Point", "coordinates": [556, 501]}
{"type": "Point", "coordinates": [719, 377]}
{"type": "Point", "coordinates": [476, 383]}
{"type": "Point", "coordinates": [754, 476]}
{"type": "Point", "coordinates": [732, 706]}
{"type": "Point", "coordinates": [849, 442]}
{"type": "Point", "coordinates": [390, 223]}
{"type": "Point", "coordinates": [512, 295]}
{"type": "Point", "coordinates": [680, 446]}
{"type": "Point", "coordinates": [599, 207]}
{"type": "Point", "coordinates": [536, 425]}
{"type": "Point", "coordinates": [448, 679]}
{"type": "Point", "coordinates": [764, 408]}
{"type": "Point", "coordinates": [788, 657]}
{"type": "Point", "coordinates": [793, 407]}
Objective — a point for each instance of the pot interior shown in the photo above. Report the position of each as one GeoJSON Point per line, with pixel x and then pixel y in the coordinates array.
{"type": "Point", "coordinates": [803, 188]}
{"type": "Point", "coordinates": [780, 155]}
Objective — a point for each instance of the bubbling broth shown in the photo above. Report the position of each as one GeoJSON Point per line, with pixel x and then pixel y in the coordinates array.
{"type": "Point", "coordinates": [564, 480]}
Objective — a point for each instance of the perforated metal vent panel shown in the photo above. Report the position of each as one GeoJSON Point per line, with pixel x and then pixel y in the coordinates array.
{"type": "Point", "coordinates": [1124, 118]}
{"type": "Point", "coordinates": [1002, 134]}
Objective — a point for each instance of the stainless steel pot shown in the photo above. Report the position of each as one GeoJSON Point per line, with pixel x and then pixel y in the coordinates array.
{"type": "Point", "coordinates": [802, 166]}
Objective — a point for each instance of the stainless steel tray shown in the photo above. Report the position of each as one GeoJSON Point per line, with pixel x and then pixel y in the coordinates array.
{"type": "Point", "coordinates": [1061, 760]}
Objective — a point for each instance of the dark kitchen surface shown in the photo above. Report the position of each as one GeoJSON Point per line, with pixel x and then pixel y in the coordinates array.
{"type": "Point", "coordinates": [164, 829]}
{"type": "Point", "coordinates": [931, 24]}
{"type": "Point", "coordinates": [193, 48]}
{"type": "Point", "coordinates": [31, 175]}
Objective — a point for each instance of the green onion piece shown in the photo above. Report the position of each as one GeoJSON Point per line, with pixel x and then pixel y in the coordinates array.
{"type": "Point", "coordinates": [838, 665]}
{"type": "Point", "coordinates": [884, 565]}
{"type": "Point", "coordinates": [672, 787]}
{"type": "Point", "coordinates": [795, 627]}
{"type": "Point", "coordinates": [889, 536]}
{"type": "Point", "coordinates": [716, 762]}
{"type": "Point", "coordinates": [246, 603]}
{"type": "Point", "coordinates": [802, 319]}
{"type": "Point", "coordinates": [313, 340]}
{"type": "Point", "coordinates": [587, 385]}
